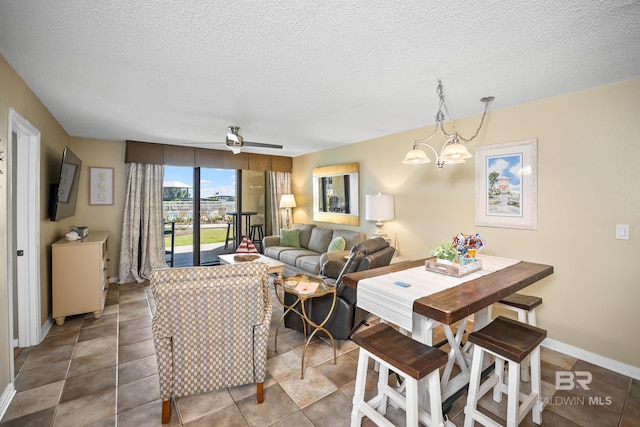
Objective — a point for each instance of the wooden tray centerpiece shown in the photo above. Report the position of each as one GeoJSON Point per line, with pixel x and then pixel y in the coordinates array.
{"type": "Point", "coordinates": [452, 269]}
{"type": "Point", "coordinates": [456, 258]}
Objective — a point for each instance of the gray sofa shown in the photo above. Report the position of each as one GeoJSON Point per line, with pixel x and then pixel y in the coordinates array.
{"type": "Point", "coordinates": [312, 253]}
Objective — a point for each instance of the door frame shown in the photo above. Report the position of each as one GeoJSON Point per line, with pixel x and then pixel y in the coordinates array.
{"type": "Point", "coordinates": [26, 224]}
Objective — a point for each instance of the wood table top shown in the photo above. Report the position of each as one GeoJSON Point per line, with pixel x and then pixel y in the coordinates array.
{"type": "Point", "coordinates": [453, 304]}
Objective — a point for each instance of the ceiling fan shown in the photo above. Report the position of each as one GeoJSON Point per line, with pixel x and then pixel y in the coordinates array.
{"type": "Point", "coordinates": [235, 142]}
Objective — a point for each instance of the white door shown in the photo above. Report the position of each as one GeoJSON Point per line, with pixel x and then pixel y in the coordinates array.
{"type": "Point", "coordinates": [23, 223]}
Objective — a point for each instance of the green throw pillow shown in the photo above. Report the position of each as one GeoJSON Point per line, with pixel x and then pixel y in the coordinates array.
{"type": "Point", "coordinates": [290, 237]}
{"type": "Point", "coordinates": [337, 245]}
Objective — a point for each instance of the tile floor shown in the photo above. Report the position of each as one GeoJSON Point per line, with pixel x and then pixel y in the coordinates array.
{"type": "Point", "coordinates": [103, 373]}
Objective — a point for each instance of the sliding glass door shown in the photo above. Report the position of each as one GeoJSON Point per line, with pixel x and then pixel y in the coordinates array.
{"type": "Point", "coordinates": [217, 200]}
{"type": "Point", "coordinates": [177, 210]}
{"type": "Point", "coordinates": [223, 216]}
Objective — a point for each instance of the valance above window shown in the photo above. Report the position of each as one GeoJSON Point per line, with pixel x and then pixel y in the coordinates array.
{"type": "Point", "coordinates": [176, 155]}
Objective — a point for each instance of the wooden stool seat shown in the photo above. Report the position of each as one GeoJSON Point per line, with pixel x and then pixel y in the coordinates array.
{"type": "Point", "coordinates": [409, 358]}
{"type": "Point", "coordinates": [512, 341]}
{"type": "Point", "coordinates": [509, 338]}
{"type": "Point", "coordinates": [523, 302]}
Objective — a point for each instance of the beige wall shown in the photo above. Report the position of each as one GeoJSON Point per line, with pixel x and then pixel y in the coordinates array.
{"type": "Point", "coordinates": [588, 181]}
{"type": "Point", "coordinates": [101, 153]}
{"type": "Point", "coordinates": [15, 94]}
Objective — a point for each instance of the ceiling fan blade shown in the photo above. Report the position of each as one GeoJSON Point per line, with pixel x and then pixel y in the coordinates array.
{"type": "Point", "coordinates": [261, 144]}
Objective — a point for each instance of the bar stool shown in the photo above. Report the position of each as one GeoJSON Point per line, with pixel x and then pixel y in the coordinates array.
{"type": "Point", "coordinates": [525, 306]}
{"type": "Point", "coordinates": [512, 341]}
{"type": "Point", "coordinates": [230, 234]}
{"type": "Point", "coordinates": [257, 234]}
{"type": "Point", "coordinates": [171, 231]}
{"type": "Point", "coordinates": [410, 359]}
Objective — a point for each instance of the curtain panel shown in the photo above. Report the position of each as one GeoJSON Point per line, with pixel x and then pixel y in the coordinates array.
{"type": "Point", "coordinates": [142, 246]}
{"type": "Point", "coordinates": [280, 184]}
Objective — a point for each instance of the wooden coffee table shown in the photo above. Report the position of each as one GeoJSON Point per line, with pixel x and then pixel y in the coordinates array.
{"type": "Point", "coordinates": [275, 266]}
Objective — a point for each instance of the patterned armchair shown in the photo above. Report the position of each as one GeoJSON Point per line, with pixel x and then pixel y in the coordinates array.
{"type": "Point", "coordinates": [210, 328]}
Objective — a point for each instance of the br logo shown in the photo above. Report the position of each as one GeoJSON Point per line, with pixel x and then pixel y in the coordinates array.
{"type": "Point", "coordinates": [568, 380]}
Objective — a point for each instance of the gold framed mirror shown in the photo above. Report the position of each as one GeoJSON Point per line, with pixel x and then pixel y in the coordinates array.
{"type": "Point", "coordinates": [336, 194]}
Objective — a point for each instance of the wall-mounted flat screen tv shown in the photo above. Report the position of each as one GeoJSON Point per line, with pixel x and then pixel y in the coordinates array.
{"type": "Point", "coordinates": [65, 193]}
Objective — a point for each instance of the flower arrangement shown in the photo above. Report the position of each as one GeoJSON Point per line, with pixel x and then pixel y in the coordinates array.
{"type": "Point", "coordinates": [446, 251]}
{"type": "Point", "coordinates": [468, 246]}
{"type": "Point", "coordinates": [463, 248]}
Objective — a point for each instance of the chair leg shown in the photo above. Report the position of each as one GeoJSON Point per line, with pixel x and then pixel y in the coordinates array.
{"type": "Point", "coordinates": [358, 395]}
{"type": "Point", "coordinates": [166, 411]}
{"type": "Point", "coordinates": [260, 392]}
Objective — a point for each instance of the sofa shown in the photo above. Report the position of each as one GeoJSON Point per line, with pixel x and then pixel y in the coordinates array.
{"type": "Point", "coordinates": [346, 316]}
{"type": "Point", "coordinates": [310, 250]}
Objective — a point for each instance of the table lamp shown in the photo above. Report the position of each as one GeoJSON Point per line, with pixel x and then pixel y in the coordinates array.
{"type": "Point", "coordinates": [379, 207]}
{"type": "Point", "coordinates": [287, 201]}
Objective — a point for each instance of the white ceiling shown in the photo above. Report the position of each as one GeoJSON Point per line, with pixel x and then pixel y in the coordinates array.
{"type": "Point", "coordinates": [307, 75]}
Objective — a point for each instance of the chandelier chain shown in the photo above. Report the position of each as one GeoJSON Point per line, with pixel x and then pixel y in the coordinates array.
{"type": "Point", "coordinates": [443, 104]}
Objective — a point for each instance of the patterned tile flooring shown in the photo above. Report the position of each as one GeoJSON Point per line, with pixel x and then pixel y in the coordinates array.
{"type": "Point", "coordinates": [103, 372]}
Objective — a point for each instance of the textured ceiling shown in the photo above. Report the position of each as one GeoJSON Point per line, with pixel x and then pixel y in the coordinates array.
{"type": "Point", "coordinates": [307, 75]}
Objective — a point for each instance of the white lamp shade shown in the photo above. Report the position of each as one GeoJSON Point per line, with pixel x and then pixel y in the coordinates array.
{"type": "Point", "coordinates": [288, 201]}
{"type": "Point", "coordinates": [379, 207]}
{"type": "Point", "coordinates": [416, 157]}
{"type": "Point", "coordinates": [454, 152]}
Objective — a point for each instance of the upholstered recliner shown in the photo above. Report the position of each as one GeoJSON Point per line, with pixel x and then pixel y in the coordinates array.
{"type": "Point", "coordinates": [346, 317]}
{"type": "Point", "coordinates": [210, 328]}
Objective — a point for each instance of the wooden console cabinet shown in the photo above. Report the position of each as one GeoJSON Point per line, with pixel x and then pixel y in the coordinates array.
{"type": "Point", "coordinates": [80, 280]}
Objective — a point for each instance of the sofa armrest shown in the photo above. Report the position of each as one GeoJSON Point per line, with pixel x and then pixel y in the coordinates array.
{"type": "Point", "coordinates": [271, 241]}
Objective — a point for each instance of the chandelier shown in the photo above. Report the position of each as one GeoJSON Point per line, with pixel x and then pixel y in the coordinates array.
{"type": "Point", "coordinates": [453, 151]}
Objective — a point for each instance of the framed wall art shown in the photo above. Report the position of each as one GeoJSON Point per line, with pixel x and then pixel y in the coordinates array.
{"type": "Point", "coordinates": [507, 185]}
{"type": "Point", "coordinates": [100, 186]}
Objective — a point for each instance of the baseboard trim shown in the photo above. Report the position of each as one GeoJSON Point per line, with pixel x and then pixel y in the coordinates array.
{"type": "Point", "coordinates": [6, 398]}
{"type": "Point", "coordinates": [45, 328]}
{"type": "Point", "coordinates": [596, 359]}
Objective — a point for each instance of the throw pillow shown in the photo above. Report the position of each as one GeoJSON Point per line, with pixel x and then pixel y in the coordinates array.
{"type": "Point", "coordinates": [338, 244]}
{"type": "Point", "coordinates": [290, 237]}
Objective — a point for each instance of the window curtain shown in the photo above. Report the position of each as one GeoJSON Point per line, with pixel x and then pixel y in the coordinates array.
{"type": "Point", "coordinates": [142, 246]}
{"type": "Point", "coordinates": [280, 184]}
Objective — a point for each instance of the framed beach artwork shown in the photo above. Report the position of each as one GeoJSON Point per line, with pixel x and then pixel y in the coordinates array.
{"type": "Point", "coordinates": [507, 185]}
